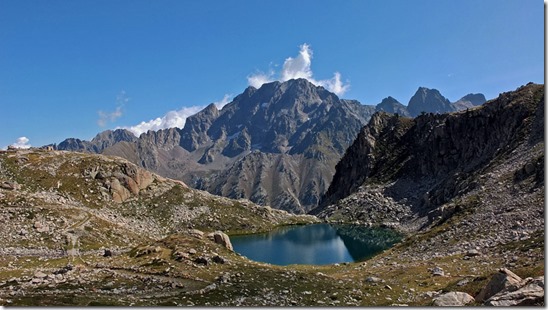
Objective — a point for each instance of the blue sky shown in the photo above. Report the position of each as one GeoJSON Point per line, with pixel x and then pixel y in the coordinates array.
{"type": "Point", "coordinates": [75, 68]}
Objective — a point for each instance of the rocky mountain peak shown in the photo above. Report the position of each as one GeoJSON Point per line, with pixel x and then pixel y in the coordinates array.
{"type": "Point", "coordinates": [391, 105]}
{"type": "Point", "coordinates": [389, 100]}
{"type": "Point", "coordinates": [164, 138]}
{"type": "Point", "coordinates": [211, 109]}
{"type": "Point", "coordinates": [109, 137]}
{"type": "Point", "coordinates": [429, 101]}
{"type": "Point", "coordinates": [295, 94]}
{"type": "Point", "coordinates": [194, 133]}
{"type": "Point", "coordinates": [272, 114]}
{"type": "Point", "coordinates": [475, 99]}
{"type": "Point", "coordinates": [99, 143]}
{"type": "Point", "coordinates": [469, 101]}
{"type": "Point", "coordinates": [301, 86]}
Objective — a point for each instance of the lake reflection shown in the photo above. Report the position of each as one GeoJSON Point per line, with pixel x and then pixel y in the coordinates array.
{"type": "Point", "coordinates": [317, 244]}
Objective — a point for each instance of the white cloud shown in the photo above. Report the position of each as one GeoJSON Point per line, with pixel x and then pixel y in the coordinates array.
{"type": "Point", "coordinates": [172, 118]}
{"type": "Point", "coordinates": [335, 85]}
{"type": "Point", "coordinates": [300, 67]}
{"type": "Point", "coordinates": [260, 78]}
{"type": "Point", "coordinates": [226, 99]}
{"type": "Point", "coordinates": [110, 117]}
{"type": "Point", "coordinates": [22, 143]}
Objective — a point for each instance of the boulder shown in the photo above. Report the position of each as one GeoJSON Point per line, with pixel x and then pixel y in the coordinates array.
{"type": "Point", "coordinates": [530, 293]}
{"type": "Point", "coordinates": [10, 185]}
{"type": "Point", "coordinates": [196, 233]}
{"type": "Point", "coordinates": [224, 278]}
{"type": "Point", "coordinates": [504, 279]}
{"type": "Point", "coordinates": [63, 270]}
{"type": "Point", "coordinates": [40, 227]}
{"type": "Point", "coordinates": [136, 179]}
{"type": "Point", "coordinates": [453, 299]}
{"type": "Point", "coordinates": [222, 239]}
{"type": "Point", "coordinates": [179, 256]}
{"type": "Point", "coordinates": [119, 193]}
{"type": "Point", "coordinates": [473, 252]}
{"type": "Point", "coordinates": [373, 280]}
{"type": "Point", "coordinates": [201, 261]}
{"type": "Point", "coordinates": [147, 250]}
{"type": "Point", "coordinates": [438, 271]}
{"type": "Point", "coordinates": [219, 259]}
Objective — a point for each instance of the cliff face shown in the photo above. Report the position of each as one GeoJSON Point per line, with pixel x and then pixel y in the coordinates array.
{"type": "Point", "coordinates": [417, 165]}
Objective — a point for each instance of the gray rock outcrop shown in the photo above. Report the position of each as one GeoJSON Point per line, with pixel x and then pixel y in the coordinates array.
{"type": "Point", "coordinates": [222, 239]}
{"type": "Point", "coordinates": [507, 289]}
{"type": "Point", "coordinates": [453, 299]}
{"type": "Point", "coordinates": [502, 280]}
{"type": "Point", "coordinates": [529, 292]}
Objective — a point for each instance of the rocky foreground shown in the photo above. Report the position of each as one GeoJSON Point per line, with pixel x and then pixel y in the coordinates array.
{"type": "Point", "coordinates": [85, 230]}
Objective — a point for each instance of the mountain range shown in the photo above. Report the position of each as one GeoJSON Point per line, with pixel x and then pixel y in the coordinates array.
{"type": "Point", "coordinates": [277, 145]}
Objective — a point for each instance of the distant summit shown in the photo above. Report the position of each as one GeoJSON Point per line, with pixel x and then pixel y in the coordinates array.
{"type": "Point", "coordinates": [393, 106]}
{"type": "Point", "coordinates": [469, 101]}
{"type": "Point", "coordinates": [101, 141]}
{"type": "Point", "coordinates": [276, 118]}
{"type": "Point", "coordinates": [475, 99]}
{"type": "Point", "coordinates": [429, 101]}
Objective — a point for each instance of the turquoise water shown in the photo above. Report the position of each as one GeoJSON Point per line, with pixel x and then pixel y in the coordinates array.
{"type": "Point", "coordinates": [317, 244]}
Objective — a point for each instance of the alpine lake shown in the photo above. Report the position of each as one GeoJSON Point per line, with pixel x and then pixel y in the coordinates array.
{"type": "Point", "coordinates": [315, 244]}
